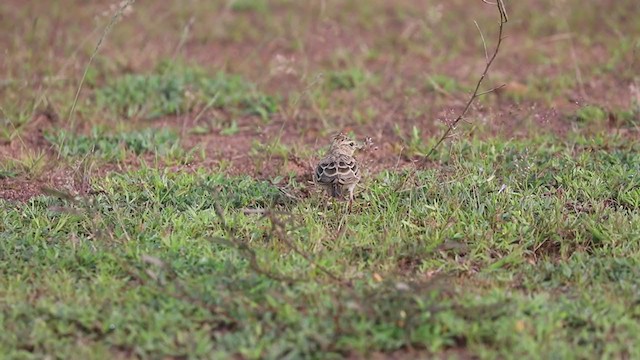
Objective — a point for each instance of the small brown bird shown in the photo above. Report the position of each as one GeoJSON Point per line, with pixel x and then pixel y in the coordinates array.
{"type": "Point", "coordinates": [338, 171]}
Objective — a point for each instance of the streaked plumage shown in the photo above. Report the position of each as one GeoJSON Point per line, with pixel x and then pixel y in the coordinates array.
{"type": "Point", "coordinates": [338, 172]}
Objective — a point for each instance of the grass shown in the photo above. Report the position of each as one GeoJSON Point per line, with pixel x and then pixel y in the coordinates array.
{"type": "Point", "coordinates": [520, 238]}
{"type": "Point", "coordinates": [30, 163]}
{"type": "Point", "coordinates": [249, 5]}
{"type": "Point", "coordinates": [442, 84]}
{"type": "Point", "coordinates": [345, 79]}
{"type": "Point", "coordinates": [548, 230]}
{"type": "Point", "coordinates": [117, 147]}
{"type": "Point", "coordinates": [174, 90]}
{"type": "Point", "coordinates": [590, 114]}
{"type": "Point", "coordinates": [12, 124]}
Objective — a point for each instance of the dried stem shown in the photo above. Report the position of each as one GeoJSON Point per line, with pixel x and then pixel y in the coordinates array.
{"type": "Point", "coordinates": [476, 92]}
{"type": "Point", "coordinates": [278, 228]}
{"type": "Point", "coordinates": [245, 250]}
{"type": "Point", "coordinates": [116, 16]}
{"type": "Point", "coordinates": [489, 61]}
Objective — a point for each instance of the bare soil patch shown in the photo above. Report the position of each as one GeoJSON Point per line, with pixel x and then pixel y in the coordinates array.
{"type": "Point", "coordinates": [286, 63]}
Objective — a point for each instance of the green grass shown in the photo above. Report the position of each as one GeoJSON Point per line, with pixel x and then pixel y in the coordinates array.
{"type": "Point", "coordinates": [442, 84]}
{"type": "Point", "coordinates": [346, 79]}
{"type": "Point", "coordinates": [12, 124]}
{"type": "Point", "coordinates": [259, 6]}
{"type": "Point", "coordinates": [174, 90]}
{"type": "Point", "coordinates": [533, 247]}
{"type": "Point", "coordinates": [590, 114]}
{"type": "Point", "coordinates": [116, 147]}
{"type": "Point", "coordinates": [29, 162]}
{"type": "Point", "coordinates": [499, 248]}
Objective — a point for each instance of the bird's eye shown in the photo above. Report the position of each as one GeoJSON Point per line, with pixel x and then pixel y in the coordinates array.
{"type": "Point", "coordinates": [351, 143]}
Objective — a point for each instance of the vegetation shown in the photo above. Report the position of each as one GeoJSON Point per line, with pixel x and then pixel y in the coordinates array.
{"type": "Point", "coordinates": [175, 90]}
{"type": "Point", "coordinates": [168, 212]}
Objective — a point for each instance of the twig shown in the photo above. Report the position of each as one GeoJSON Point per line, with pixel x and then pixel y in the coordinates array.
{"type": "Point", "coordinates": [347, 295]}
{"type": "Point", "coordinates": [476, 92]}
{"type": "Point", "coordinates": [180, 292]}
{"type": "Point", "coordinates": [491, 90]}
{"type": "Point", "coordinates": [106, 31]}
{"type": "Point", "coordinates": [206, 107]}
{"type": "Point", "coordinates": [277, 228]}
{"type": "Point", "coordinates": [233, 241]}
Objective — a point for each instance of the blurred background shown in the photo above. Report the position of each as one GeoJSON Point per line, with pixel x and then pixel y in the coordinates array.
{"type": "Point", "coordinates": [234, 80]}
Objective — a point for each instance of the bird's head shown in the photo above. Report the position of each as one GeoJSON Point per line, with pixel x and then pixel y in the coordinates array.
{"type": "Point", "coordinates": [344, 145]}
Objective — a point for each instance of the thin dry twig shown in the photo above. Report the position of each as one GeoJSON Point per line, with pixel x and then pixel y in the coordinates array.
{"type": "Point", "coordinates": [346, 296]}
{"type": "Point", "coordinates": [476, 92]}
{"type": "Point", "coordinates": [179, 291]}
{"type": "Point", "coordinates": [452, 125]}
{"type": "Point", "coordinates": [106, 31]}
{"type": "Point", "coordinates": [245, 250]}
{"type": "Point", "coordinates": [278, 227]}
{"type": "Point", "coordinates": [116, 16]}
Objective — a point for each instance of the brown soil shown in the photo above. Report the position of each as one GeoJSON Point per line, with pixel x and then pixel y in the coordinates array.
{"type": "Point", "coordinates": [397, 70]}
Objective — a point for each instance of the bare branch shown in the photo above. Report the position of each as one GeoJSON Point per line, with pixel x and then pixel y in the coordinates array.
{"type": "Point", "coordinates": [503, 12]}
{"type": "Point", "coordinates": [244, 249]}
{"type": "Point", "coordinates": [476, 94]}
{"type": "Point", "coordinates": [491, 90]}
{"type": "Point", "coordinates": [278, 228]}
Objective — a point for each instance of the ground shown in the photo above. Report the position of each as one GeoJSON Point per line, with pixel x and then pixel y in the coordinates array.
{"type": "Point", "coordinates": [155, 162]}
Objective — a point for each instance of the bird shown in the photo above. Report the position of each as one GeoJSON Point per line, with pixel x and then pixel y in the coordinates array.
{"type": "Point", "coordinates": [338, 171]}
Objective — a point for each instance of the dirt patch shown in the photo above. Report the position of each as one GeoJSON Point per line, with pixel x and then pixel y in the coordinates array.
{"type": "Point", "coordinates": [281, 147]}
{"type": "Point", "coordinates": [23, 188]}
{"type": "Point", "coordinates": [287, 49]}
